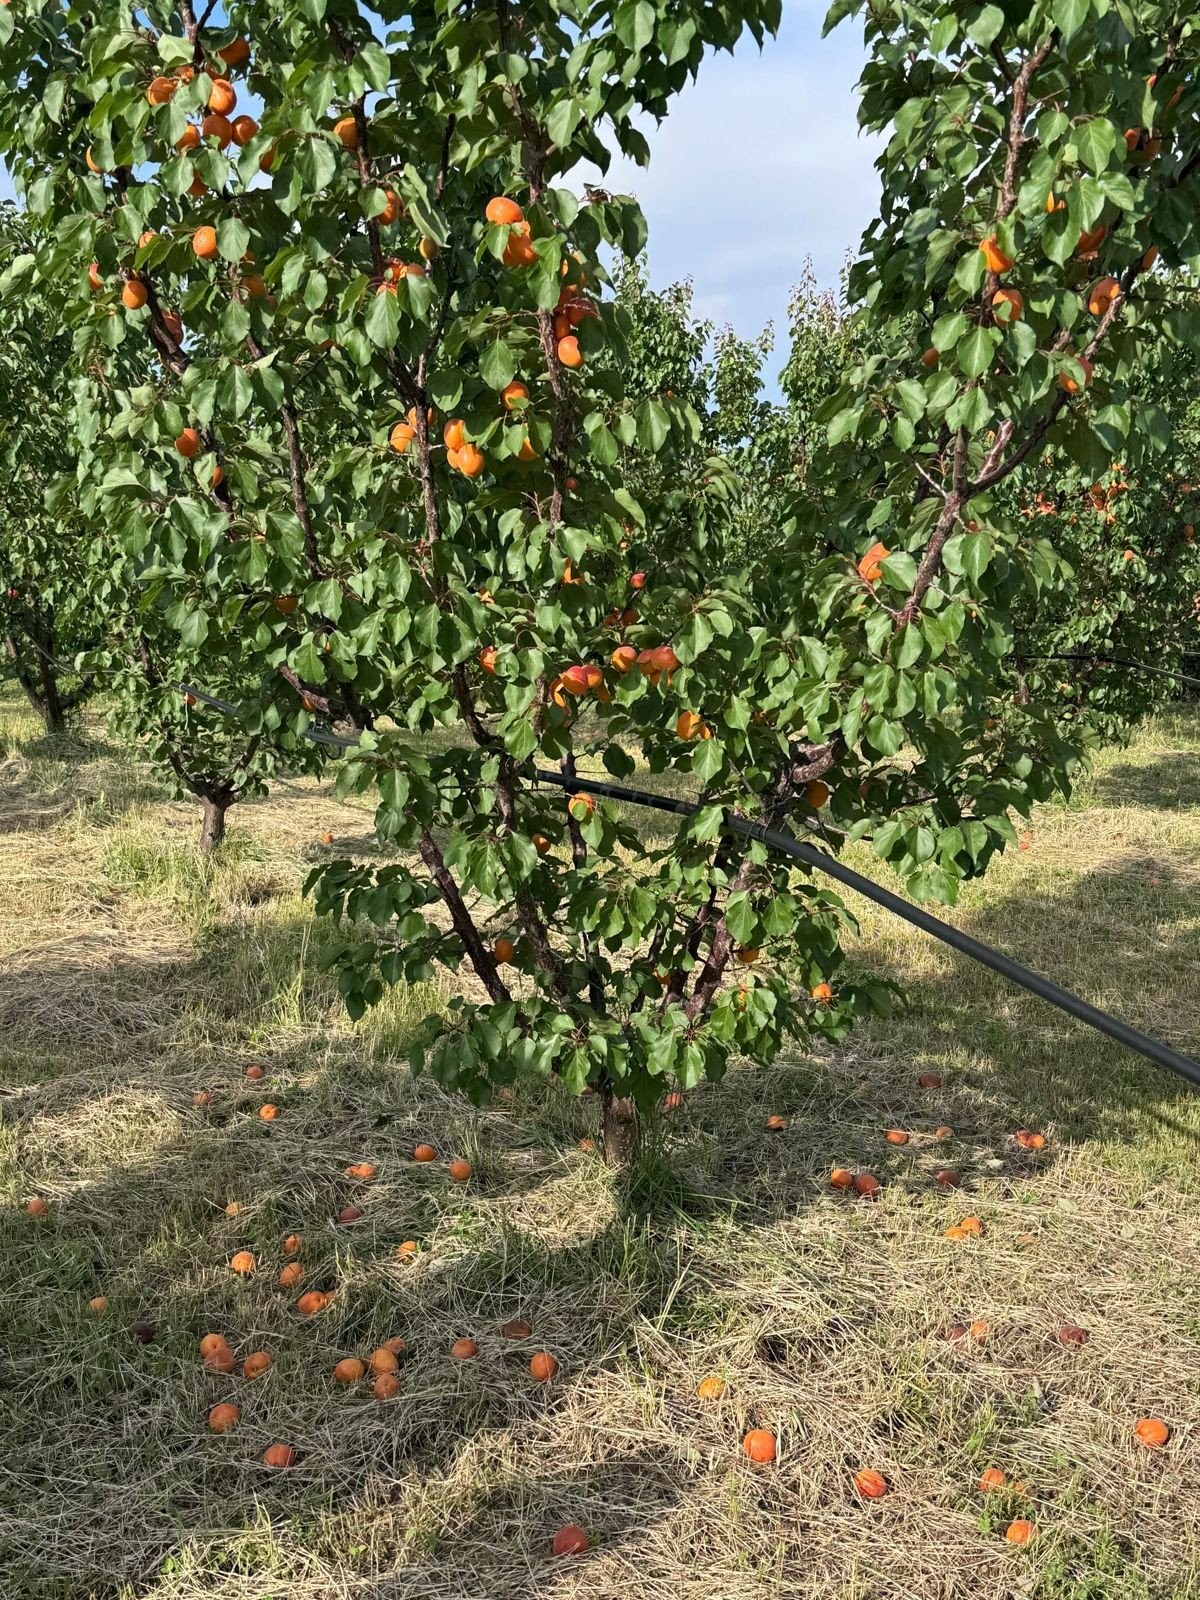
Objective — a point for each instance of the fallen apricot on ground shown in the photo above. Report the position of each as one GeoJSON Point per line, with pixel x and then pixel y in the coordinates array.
{"type": "Point", "coordinates": [243, 1262]}
{"type": "Point", "coordinates": [1071, 1336]}
{"type": "Point", "coordinates": [1030, 1141]}
{"type": "Point", "coordinates": [543, 1366]}
{"type": "Point", "coordinates": [711, 1388]}
{"type": "Point", "coordinates": [383, 1360]}
{"type": "Point", "coordinates": [312, 1301]}
{"type": "Point", "coordinates": [220, 1360]}
{"type": "Point", "coordinates": [896, 1136]}
{"type": "Point", "coordinates": [97, 1304]}
{"type": "Point", "coordinates": [255, 1365]}
{"type": "Point", "coordinates": [349, 1214]}
{"type": "Point", "coordinates": [929, 1080]}
{"type": "Point", "coordinates": [386, 1386]}
{"type": "Point", "coordinates": [293, 1244]}
{"type": "Point", "coordinates": [947, 1178]}
{"type": "Point", "coordinates": [759, 1445]}
{"type": "Point", "coordinates": [871, 1485]}
{"type": "Point", "coordinates": [841, 1178]}
{"type": "Point", "coordinates": [349, 1370]}
{"type": "Point", "coordinates": [1020, 1531]}
{"type": "Point", "coordinates": [36, 1207]}
{"type": "Point", "coordinates": [279, 1455]}
{"type": "Point", "coordinates": [424, 1152]}
{"type": "Point", "coordinates": [223, 1417]}
{"type": "Point", "coordinates": [569, 1541]}
{"type": "Point", "coordinates": [1152, 1432]}
{"type": "Point", "coordinates": [993, 1478]}
{"type": "Point", "coordinates": [362, 1170]}
{"type": "Point", "coordinates": [211, 1342]}
{"type": "Point", "coordinates": [867, 1185]}
{"type": "Point", "coordinates": [943, 1132]}
{"type": "Point", "coordinates": [255, 1073]}
{"type": "Point", "coordinates": [460, 1170]}
{"type": "Point", "coordinates": [269, 1112]}
{"type": "Point", "coordinates": [518, 1328]}
{"type": "Point", "coordinates": [464, 1349]}
{"type": "Point", "coordinates": [290, 1275]}
{"type": "Point", "coordinates": [408, 1250]}
{"type": "Point", "coordinates": [776, 1123]}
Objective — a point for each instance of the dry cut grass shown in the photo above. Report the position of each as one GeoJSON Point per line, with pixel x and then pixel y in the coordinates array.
{"type": "Point", "coordinates": [134, 977]}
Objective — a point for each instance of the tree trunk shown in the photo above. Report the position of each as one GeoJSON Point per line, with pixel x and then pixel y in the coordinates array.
{"type": "Point", "coordinates": [212, 828]}
{"type": "Point", "coordinates": [42, 692]}
{"type": "Point", "coordinates": [621, 1129]}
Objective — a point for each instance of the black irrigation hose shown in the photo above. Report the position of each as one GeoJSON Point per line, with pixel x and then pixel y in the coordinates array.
{"type": "Point", "coordinates": [1131, 1038]}
{"type": "Point", "coordinates": [1123, 661]}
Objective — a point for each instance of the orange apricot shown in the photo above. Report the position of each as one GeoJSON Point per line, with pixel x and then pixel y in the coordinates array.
{"type": "Point", "coordinates": [242, 1263]}
{"type": "Point", "coordinates": [256, 1364]}
{"type": "Point", "coordinates": [464, 1349]}
{"type": "Point", "coordinates": [349, 1370]}
{"type": "Point", "coordinates": [279, 1455]}
{"type": "Point", "coordinates": [569, 1541]}
{"type": "Point", "coordinates": [312, 1301]}
{"type": "Point", "coordinates": [1151, 1432]}
{"type": "Point", "coordinates": [424, 1152]}
{"type": "Point", "coordinates": [993, 1478]}
{"type": "Point", "coordinates": [290, 1275]}
{"type": "Point", "coordinates": [460, 1170]}
{"type": "Point", "coordinates": [543, 1366]}
{"type": "Point", "coordinates": [1020, 1531]}
{"type": "Point", "coordinates": [867, 1185]}
{"type": "Point", "coordinates": [503, 212]}
{"type": "Point", "coordinates": [759, 1445]}
{"type": "Point", "coordinates": [345, 129]}
{"type": "Point", "coordinates": [223, 1417]}
{"type": "Point", "coordinates": [711, 1388]}
{"type": "Point", "coordinates": [841, 1178]}
{"type": "Point", "coordinates": [896, 1136]}
{"type": "Point", "coordinates": [386, 1386]}
{"type": "Point", "coordinates": [995, 259]}
{"type": "Point", "coordinates": [871, 1485]}
{"type": "Point", "coordinates": [569, 353]}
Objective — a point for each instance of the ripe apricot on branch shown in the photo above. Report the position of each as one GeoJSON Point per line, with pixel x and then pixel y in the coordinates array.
{"type": "Point", "coordinates": [244, 129]}
{"type": "Point", "coordinates": [1103, 292]}
{"type": "Point", "coordinates": [1090, 240]}
{"type": "Point", "coordinates": [930, 358]}
{"type": "Point", "coordinates": [1071, 384]}
{"type": "Point", "coordinates": [513, 395]}
{"type": "Point", "coordinates": [222, 98]}
{"type": "Point", "coordinates": [133, 295]}
{"type": "Point", "coordinates": [401, 436]}
{"type": "Point", "coordinates": [189, 443]}
{"type": "Point", "coordinates": [995, 258]}
{"type": "Point", "coordinates": [503, 212]}
{"type": "Point", "coordinates": [870, 569]}
{"type": "Point", "coordinates": [569, 352]}
{"type": "Point", "coordinates": [204, 243]}
{"type": "Point", "coordinates": [1008, 305]}
{"type": "Point", "coordinates": [345, 129]}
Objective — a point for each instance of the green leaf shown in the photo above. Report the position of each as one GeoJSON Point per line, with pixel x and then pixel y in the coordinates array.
{"type": "Point", "coordinates": [974, 352]}
{"type": "Point", "coordinates": [497, 365]}
{"type": "Point", "coordinates": [233, 238]}
{"type": "Point", "coordinates": [1095, 141]}
{"type": "Point", "coordinates": [383, 320]}
{"type": "Point", "coordinates": [986, 27]}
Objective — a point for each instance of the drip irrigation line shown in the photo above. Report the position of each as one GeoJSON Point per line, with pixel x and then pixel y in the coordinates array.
{"type": "Point", "coordinates": [785, 844]}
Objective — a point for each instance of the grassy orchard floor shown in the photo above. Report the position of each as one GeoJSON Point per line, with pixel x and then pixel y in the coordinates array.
{"type": "Point", "coordinates": [132, 977]}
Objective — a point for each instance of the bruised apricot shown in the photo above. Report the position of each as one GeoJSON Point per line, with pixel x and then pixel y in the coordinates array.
{"type": "Point", "coordinates": [220, 1360]}
{"type": "Point", "coordinates": [243, 1263]}
{"type": "Point", "coordinates": [569, 1541]}
{"type": "Point", "coordinates": [518, 1328]}
{"type": "Point", "coordinates": [386, 1386]}
{"type": "Point", "coordinates": [711, 1388]}
{"type": "Point", "coordinates": [896, 1136]}
{"type": "Point", "coordinates": [293, 1244]}
{"type": "Point", "coordinates": [362, 1170]}
{"type": "Point", "coordinates": [866, 1184]}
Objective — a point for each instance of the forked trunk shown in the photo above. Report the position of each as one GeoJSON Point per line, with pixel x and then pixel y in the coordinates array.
{"type": "Point", "coordinates": [212, 827]}
{"type": "Point", "coordinates": [42, 691]}
{"type": "Point", "coordinates": [621, 1129]}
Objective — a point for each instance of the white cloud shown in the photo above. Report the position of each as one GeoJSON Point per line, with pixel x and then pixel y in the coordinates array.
{"type": "Point", "coordinates": [759, 165]}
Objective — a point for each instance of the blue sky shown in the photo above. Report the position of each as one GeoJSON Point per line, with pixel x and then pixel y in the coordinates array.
{"type": "Point", "coordinates": [760, 164]}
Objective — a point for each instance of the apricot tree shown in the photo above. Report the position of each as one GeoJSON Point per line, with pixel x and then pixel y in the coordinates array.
{"type": "Point", "coordinates": [351, 366]}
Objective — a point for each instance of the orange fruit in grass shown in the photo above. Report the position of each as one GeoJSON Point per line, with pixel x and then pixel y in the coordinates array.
{"type": "Point", "coordinates": [711, 1388]}
{"type": "Point", "coordinates": [293, 1244]}
{"type": "Point", "coordinates": [409, 1250]}
{"type": "Point", "coordinates": [243, 1263]}
{"type": "Point", "coordinates": [279, 1455]}
{"type": "Point", "coordinates": [36, 1207]}
{"type": "Point", "coordinates": [460, 1170]}
{"type": "Point", "coordinates": [929, 1080]}
{"type": "Point", "coordinates": [386, 1386]}
{"type": "Point", "coordinates": [255, 1365]}
{"type": "Point", "coordinates": [569, 1541]}
{"type": "Point", "coordinates": [896, 1136]}
{"type": "Point", "coordinates": [211, 1342]}
{"type": "Point", "coordinates": [312, 1301]}
{"type": "Point", "coordinates": [223, 1417]}
{"type": "Point", "coordinates": [776, 1123]}
{"type": "Point", "coordinates": [362, 1170]}
{"type": "Point", "coordinates": [841, 1178]}
{"type": "Point", "coordinates": [255, 1073]}
{"type": "Point", "coordinates": [395, 1345]}
{"type": "Point", "coordinates": [349, 1370]}
{"type": "Point", "coordinates": [290, 1275]}
{"type": "Point", "coordinates": [464, 1349]}
{"type": "Point", "coordinates": [1152, 1432]}
{"type": "Point", "coordinates": [518, 1328]}
{"type": "Point", "coordinates": [383, 1360]}
{"type": "Point", "coordinates": [993, 1478]}
{"type": "Point", "coordinates": [871, 1485]}
{"type": "Point", "coordinates": [759, 1445]}
{"type": "Point", "coordinates": [220, 1360]}
{"type": "Point", "coordinates": [97, 1305]}
{"type": "Point", "coordinates": [268, 1113]}
{"type": "Point", "coordinates": [866, 1184]}
{"type": "Point", "coordinates": [1020, 1531]}
{"type": "Point", "coordinates": [424, 1152]}
{"type": "Point", "coordinates": [543, 1366]}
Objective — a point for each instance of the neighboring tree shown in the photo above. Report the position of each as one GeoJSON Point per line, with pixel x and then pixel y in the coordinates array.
{"type": "Point", "coordinates": [392, 352]}
{"type": "Point", "coordinates": [44, 616]}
